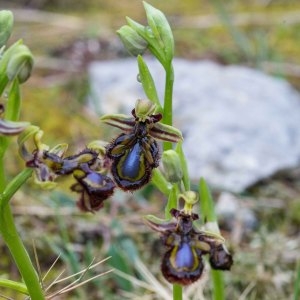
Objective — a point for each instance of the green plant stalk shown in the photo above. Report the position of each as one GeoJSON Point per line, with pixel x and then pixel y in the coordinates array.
{"type": "Point", "coordinates": [11, 237]}
{"type": "Point", "coordinates": [209, 215]}
{"type": "Point", "coordinates": [168, 119]}
{"type": "Point", "coordinates": [13, 285]}
{"type": "Point", "coordinates": [177, 292]}
{"type": "Point", "coordinates": [218, 285]}
{"type": "Point", "coordinates": [297, 283]}
{"type": "Point", "coordinates": [19, 253]}
{"type": "Point", "coordinates": [168, 100]}
{"type": "Point", "coordinates": [13, 186]}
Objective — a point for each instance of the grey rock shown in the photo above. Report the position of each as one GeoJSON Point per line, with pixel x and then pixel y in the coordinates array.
{"type": "Point", "coordinates": [232, 211]}
{"type": "Point", "coordinates": [239, 124]}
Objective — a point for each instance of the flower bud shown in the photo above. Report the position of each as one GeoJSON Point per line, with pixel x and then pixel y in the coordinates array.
{"type": "Point", "coordinates": [6, 24]}
{"type": "Point", "coordinates": [132, 41]}
{"type": "Point", "coordinates": [172, 166]}
{"type": "Point", "coordinates": [161, 30]}
{"type": "Point", "coordinates": [20, 64]}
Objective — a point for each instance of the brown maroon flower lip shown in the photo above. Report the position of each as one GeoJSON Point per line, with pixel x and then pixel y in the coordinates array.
{"type": "Point", "coordinates": [135, 152]}
{"type": "Point", "coordinates": [94, 188]}
{"type": "Point", "coordinates": [182, 262]}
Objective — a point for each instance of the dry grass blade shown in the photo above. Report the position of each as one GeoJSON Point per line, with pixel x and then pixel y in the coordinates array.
{"type": "Point", "coordinates": [5, 297]}
{"type": "Point", "coordinates": [247, 290]}
{"type": "Point", "coordinates": [55, 281]}
{"type": "Point", "coordinates": [86, 281]}
{"type": "Point", "coordinates": [37, 264]}
{"type": "Point", "coordinates": [51, 267]}
{"type": "Point", "coordinates": [148, 276]}
{"type": "Point", "coordinates": [135, 281]}
{"type": "Point", "coordinates": [90, 267]}
{"type": "Point", "coordinates": [73, 285]}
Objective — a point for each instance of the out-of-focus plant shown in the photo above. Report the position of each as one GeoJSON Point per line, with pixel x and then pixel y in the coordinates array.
{"type": "Point", "coordinates": [48, 163]}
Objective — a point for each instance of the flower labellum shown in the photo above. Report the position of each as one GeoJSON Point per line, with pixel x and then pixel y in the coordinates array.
{"type": "Point", "coordinates": [183, 261]}
{"type": "Point", "coordinates": [135, 153]}
{"type": "Point", "coordinates": [93, 187]}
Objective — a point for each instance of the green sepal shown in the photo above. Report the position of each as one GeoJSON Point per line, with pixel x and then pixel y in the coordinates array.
{"type": "Point", "coordinates": [6, 25]}
{"type": "Point", "coordinates": [12, 128]}
{"type": "Point", "coordinates": [45, 185]}
{"type": "Point", "coordinates": [121, 121]}
{"type": "Point", "coordinates": [59, 149]}
{"type": "Point", "coordinates": [3, 64]}
{"type": "Point", "coordinates": [166, 133]}
{"type": "Point", "coordinates": [161, 30]}
{"type": "Point", "coordinates": [132, 41]}
{"type": "Point", "coordinates": [146, 33]}
{"type": "Point", "coordinates": [20, 64]}
{"type": "Point", "coordinates": [157, 224]}
{"type": "Point", "coordinates": [97, 146]}
{"type": "Point", "coordinates": [30, 132]}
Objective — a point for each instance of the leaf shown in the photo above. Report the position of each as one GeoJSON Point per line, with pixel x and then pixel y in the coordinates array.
{"type": "Point", "coordinates": [172, 201]}
{"type": "Point", "coordinates": [207, 203]}
{"type": "Point", "coordinates": [148, 83]}
{"type": "Point", "coordinates": [160, 182]}
{"type": "Point", "coordinates": [184, 166]}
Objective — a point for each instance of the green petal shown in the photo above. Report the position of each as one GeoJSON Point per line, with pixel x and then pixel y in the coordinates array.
{"type": "Point", "coordinates": [160, 225]}
{"type": "Point", "coordinates": [12, 128]}
{"type": "Point", "coordinates": [121, 121]}
{"type": "Point", "coordinates": [166, 133]}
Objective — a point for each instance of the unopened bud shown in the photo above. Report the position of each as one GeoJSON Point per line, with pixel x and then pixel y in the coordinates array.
{"type": "Point", "coordinates": [172, 166]}
{"type": "Point", "coordinates": [20, 64]}
{"type": "Point", "coordinates": [132, 41]}
{"type": "Point", "coordinates": [6, 24]}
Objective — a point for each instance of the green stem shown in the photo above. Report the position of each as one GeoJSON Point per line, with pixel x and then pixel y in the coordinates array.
{"type": "Point", "coordinates": [177, 292]}
{"type": "Point", "coordinates": [168, 100]}
{"type": "Point", "coordinates": [13, 285]}
{"type": "Point", "coordinates": [11, 237]}
{"type": "Point", "coordinates": [168, 119]}
{"type": "Point", "coordinates": [297, 283]}
{"type": "Point", "coordinates": [218, 285]}
{"type": "Point", "coordinates": [13, 186]}
{"type": "Point", "coordinates": [19, 253]}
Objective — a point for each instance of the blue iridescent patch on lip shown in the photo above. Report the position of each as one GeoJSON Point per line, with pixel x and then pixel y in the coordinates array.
{"type": "Point", "coordinates": [184, 257]}
{"type": "Point", "coordinates": [131, 164]}
{"type": "Point", "coordinates": [133, 156]}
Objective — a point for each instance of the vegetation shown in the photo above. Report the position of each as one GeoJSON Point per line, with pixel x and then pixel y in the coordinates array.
{"type": "Point", "coordinates": [78, 238]}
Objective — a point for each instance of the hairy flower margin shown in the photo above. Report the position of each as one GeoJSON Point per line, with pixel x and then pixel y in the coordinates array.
{"type": "Point", "coordinates": [87, 168]}
{"type": "Point", "coordinates": [183, 262]}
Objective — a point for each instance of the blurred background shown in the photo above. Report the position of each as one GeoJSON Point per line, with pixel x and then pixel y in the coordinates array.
{"type": "Point", "coordinates": [65, 37]}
